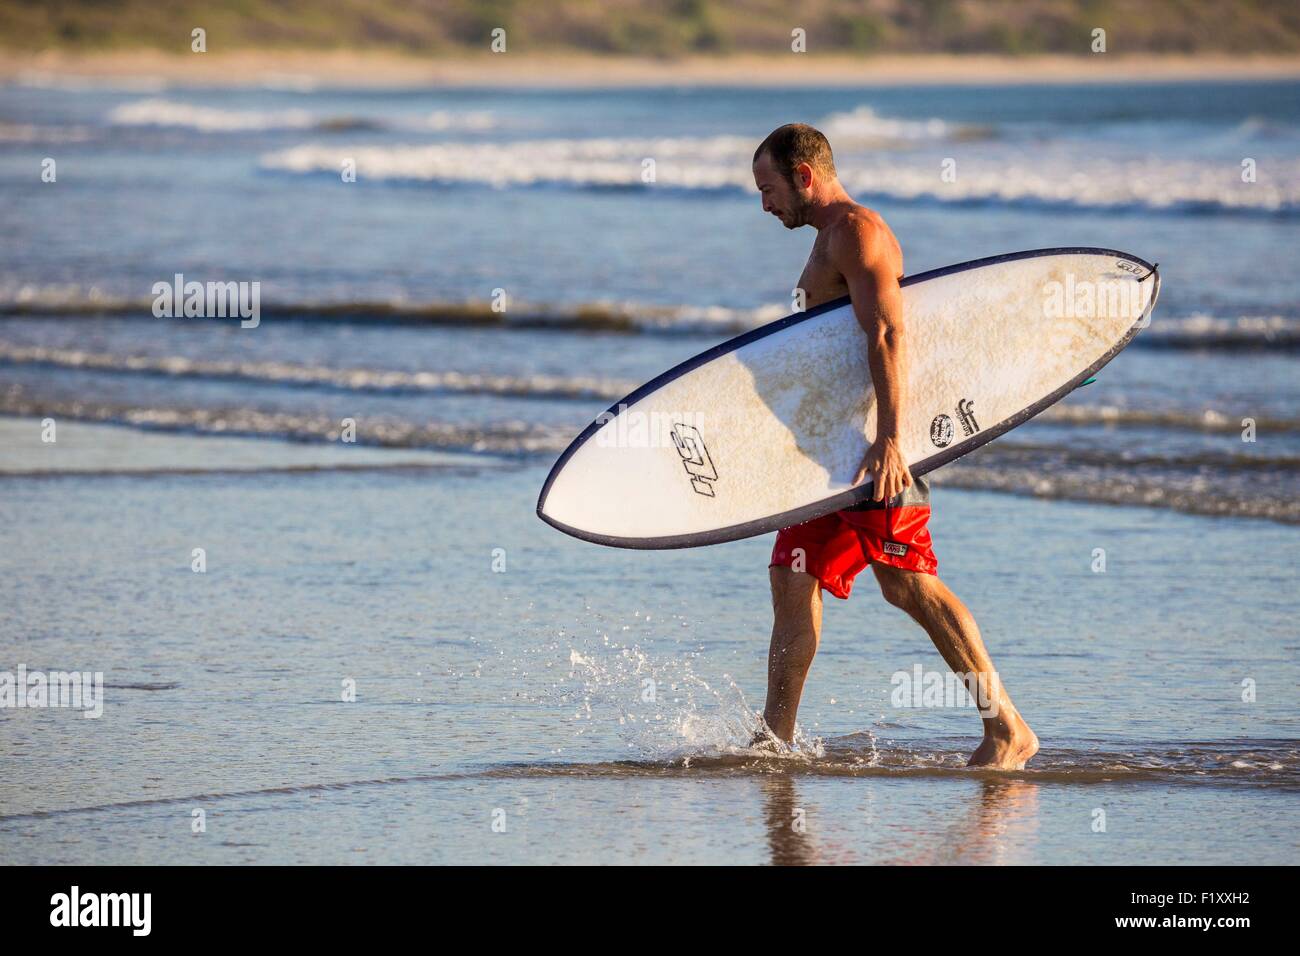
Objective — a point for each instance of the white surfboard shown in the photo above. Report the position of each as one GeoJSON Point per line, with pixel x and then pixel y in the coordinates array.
{"type": "Point", "coordinates": [766, 430]}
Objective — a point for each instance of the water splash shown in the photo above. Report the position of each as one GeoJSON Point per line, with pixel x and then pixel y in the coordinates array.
{"type": "Point", "coordinates": [659, 706]}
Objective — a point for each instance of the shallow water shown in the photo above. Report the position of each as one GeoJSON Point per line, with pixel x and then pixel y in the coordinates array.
{"type": "Point", "coordinates": [598, 702]}
{"type": "Point", "coordinates": [376, 295]}
{"type": "Point", "coordinates": [524, 690]}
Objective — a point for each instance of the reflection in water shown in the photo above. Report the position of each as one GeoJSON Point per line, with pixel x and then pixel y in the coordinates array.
{"type": "Point", "coordinates": [787, 822]}
{"type": "Point", "coordinates": [999, 827]}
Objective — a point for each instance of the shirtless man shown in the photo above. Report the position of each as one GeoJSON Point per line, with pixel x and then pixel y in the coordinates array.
{"type": "Point", "coordinates": [856, 254]}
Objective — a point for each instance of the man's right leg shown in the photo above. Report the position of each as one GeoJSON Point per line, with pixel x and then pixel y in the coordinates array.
{"type": "Point", "coordinates": [796, 629]}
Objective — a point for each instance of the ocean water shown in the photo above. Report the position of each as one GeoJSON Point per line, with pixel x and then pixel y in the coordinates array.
{"type": "Point", "coordinates": [502, 670]}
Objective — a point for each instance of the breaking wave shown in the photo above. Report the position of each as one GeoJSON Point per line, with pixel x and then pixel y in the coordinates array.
{"type": "Point", "coordinates": [505, 438]}
{"type": "Point", "coordinates": [600, 316]}
{"type": "Point", "coordinates": [380, 381]}
{"type": "Point", "coordinates": [1207, 483]}
{"type": "Point", "coordinates": [581, 387]}
{"type": "Point", "coordinates": [1241, 333]}
{"type": "Point", "coordinates": [209, 119]}
{"type": "Point", "coordinates": [721, 164]}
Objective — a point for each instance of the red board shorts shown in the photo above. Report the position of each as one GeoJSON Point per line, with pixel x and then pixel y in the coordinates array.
{"type": "Point", "coordinates": [836, 547]}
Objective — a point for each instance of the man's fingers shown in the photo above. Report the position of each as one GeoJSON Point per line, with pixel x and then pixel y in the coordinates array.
{"type": "Point", "coordinates": [889, 478]}
{"type": "Point", "coordinates": [893, 485]}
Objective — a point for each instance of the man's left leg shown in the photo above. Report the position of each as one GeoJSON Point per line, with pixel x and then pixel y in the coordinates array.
{"type": "Point", "coordinates": [1008, 741]}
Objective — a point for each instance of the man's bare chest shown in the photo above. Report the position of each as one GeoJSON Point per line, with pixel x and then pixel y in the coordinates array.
{"type": "Point", "coordinates": [820, 280]}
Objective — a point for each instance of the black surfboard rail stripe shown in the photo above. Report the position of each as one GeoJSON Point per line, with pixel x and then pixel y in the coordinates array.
{"type": "Point", "coordinates": [861, 492]}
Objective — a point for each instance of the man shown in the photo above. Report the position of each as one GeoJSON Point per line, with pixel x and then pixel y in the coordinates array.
{"type": "Point", "coordinates": [856, 254]}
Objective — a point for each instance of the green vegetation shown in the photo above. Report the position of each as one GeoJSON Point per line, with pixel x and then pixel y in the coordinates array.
{"type": "Point", "coordinates": [666, 29]}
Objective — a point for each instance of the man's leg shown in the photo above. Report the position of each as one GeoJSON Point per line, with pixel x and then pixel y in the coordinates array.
{"type": "Point", "coordinates": [1008, 741]}
{"type": "Point", "coordinates": [796, 629]}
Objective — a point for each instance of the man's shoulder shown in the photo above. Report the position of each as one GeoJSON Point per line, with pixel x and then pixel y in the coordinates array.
{"type": "Point", "coordinates": [862, 234]}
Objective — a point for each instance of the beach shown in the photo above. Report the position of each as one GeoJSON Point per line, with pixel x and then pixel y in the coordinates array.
{"type": "Point", "coordinates": [379, 654]}
{"type": "Point", "coordinates": [312, 69]}
{"type": "Point", "coordinates": [521, 689]}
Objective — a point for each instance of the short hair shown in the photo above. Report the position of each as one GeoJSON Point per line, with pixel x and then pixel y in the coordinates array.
{"type": "Point", "coordinates": [797, 143]}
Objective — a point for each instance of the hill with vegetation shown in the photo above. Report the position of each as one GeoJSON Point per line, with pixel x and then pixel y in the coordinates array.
{"type": "Point", "coordinates": [670, 28]}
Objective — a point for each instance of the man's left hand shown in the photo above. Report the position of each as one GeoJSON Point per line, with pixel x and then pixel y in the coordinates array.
{"type": "Point", "coordinates": [888, 469]}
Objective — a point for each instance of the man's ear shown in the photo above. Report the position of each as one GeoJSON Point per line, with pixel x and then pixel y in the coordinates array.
{"type": "Point", "coordinates": [804, 175]}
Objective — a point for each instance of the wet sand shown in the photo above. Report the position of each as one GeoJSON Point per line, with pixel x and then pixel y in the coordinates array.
{"type": "Point", "coordinates": [517, 694]}
{"type": "Point", "coordinates": [309, 70]}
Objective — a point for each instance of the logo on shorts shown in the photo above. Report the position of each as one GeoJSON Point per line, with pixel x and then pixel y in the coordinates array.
{"type": "Point", "coordinates": [695, 458]}
{"type": "Point", "coordinates": [966, 412]}
{"type": "Point", "coordinates": [941, 431]}
{"type": "Point", "coordinates": [893, 547]}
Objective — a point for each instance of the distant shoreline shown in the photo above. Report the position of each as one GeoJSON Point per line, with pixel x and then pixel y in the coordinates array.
{"type": "Point", "coordinates": [308, 69]}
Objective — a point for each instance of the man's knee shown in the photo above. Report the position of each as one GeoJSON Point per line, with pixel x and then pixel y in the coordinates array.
{"type": "Point", "coordinates": [903, 589]}
{"type": "Point", "coordinates": [792, 591]}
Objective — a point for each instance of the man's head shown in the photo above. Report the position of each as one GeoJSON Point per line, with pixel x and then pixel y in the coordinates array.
{"type": "Point", "coordinates": [790, 168]}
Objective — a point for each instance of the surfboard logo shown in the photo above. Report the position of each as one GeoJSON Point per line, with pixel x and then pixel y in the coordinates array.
{"type": "Point", "coordinates": [941, 431]}
{"type": "Point", "coordinates": [695, 458]}
{"type": "Point", "coordinates": [966, 414]}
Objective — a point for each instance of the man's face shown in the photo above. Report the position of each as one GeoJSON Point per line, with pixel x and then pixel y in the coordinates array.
{"type": "Point", "coordinates": [779, 195]}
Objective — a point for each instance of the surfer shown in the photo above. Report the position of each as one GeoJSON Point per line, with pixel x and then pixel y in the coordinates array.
{"type": "Point", "coordinates": [856, 254]}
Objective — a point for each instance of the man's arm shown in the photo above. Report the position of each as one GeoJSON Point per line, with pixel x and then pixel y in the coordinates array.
{"type": "Point", "coordinates": [871, 271]}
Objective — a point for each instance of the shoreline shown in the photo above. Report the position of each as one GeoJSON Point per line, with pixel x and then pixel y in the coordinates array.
{"type": "Point", "coordinates": [307, 70]}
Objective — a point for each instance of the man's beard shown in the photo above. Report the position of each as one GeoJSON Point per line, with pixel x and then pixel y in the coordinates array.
{"type": "Point", "coordinates": [798, 212]}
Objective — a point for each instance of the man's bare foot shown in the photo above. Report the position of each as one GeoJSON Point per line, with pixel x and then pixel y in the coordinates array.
{"type": "Point", "coordinates": [1006, 747]}
{"type": "Point", "coordinates": [765, 739]}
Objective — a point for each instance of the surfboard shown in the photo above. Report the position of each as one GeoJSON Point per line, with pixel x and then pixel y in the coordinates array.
{"type": "Point", "coordinates": [767, 430]}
